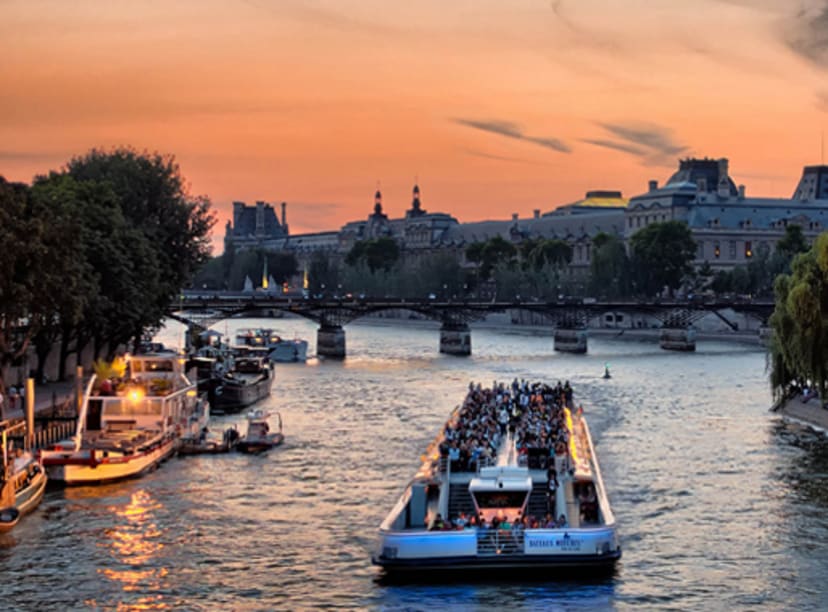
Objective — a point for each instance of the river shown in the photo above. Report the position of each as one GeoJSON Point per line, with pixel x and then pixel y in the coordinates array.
{"type": "Point", "coordinates": [720, 504]}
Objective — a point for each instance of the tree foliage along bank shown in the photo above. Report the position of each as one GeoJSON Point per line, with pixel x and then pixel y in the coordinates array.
{"type": "Point", "coordinates": [799, 342]}
{"type": "Point", "coordinates": [95, 253]}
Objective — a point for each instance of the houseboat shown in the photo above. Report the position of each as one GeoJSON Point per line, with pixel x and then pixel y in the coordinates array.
{"type": "Point", "coordinates": [131, 419]}
{"type": "Point", "coordinates": [511, 482]}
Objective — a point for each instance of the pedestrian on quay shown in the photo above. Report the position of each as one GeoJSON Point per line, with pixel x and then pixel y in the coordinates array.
{"type": "Point", "coordinates": [2, 407]}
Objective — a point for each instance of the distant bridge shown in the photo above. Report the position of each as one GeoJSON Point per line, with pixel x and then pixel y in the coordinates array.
{"type": "Point", "coordinates": [569, 316]}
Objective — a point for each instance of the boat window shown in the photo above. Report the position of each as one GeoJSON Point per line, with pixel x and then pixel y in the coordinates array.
{"type": "Point", "coordinates": [499, 499]}
{"type": "Point", "coordinates": [164, 365]}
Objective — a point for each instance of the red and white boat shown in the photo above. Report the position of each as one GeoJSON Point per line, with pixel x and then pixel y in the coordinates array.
{"type": "Point", "coordinates": [130, 421]}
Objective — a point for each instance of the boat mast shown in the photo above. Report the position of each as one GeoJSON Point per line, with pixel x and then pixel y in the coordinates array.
{"type": "Point", "coordinates": [82, 415]}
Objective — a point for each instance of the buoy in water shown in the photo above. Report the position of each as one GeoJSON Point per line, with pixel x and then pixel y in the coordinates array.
{"type": "Point", "coordinates": [607, 372]}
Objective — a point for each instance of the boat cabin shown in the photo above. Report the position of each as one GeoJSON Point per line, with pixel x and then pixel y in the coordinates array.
{"type": "Point", "coordinates": [250, 365]}
{"type": "Point", "coordinates": [501, 492]}
{"type": "Point", "coordinates": [153, 392]}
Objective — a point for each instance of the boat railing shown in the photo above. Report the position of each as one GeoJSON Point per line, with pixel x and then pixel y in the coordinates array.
{"type": "Point", "coordinates": [609, 518]}
{"type": "Point", "coordinates": [499, 542]}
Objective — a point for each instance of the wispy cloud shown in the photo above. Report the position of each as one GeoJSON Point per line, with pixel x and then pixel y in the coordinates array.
{"type": "Point", "coordinates": [652, 143]}
{"type": "Point", "coordinates": [618, 146]}
{"type": "Point", "coordinates": [807, 33]}
{"type": "Point", "coordinates": [517, 160]}
{"type": "Point", "coordinates": [513, 130]}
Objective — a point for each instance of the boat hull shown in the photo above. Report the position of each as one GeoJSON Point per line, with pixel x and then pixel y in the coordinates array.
{"type": "Point", "coordinates": [9, 517]}
{"type": "Point", "coordinates": [253, 447]}
{"type": "Point", "coordinates": [520, 563]}
{"type": "Point", "coordinates": [87, 468]}
{"type": "Point", "coordinates": [461, 550]}
{"type": "Point", "coordinates": [232, 398]}
{"type": "Point", "coordinates": [29, 498]}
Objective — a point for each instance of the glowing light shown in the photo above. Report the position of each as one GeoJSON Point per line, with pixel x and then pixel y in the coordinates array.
{"type": "Point", "coordinates": [136, 394]}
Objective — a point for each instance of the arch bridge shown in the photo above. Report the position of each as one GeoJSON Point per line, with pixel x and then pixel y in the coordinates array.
{"type": "Point", "coordinates": [569, 316]}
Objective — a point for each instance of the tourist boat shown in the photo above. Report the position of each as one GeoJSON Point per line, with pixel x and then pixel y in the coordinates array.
{"type": "Point", "coordinates": [259, 438]}
{"type": "Point", "coordinates": [499, 512]}
{"type": "Point", "coordinates": [280, 350]}
{"type": "Point", "coordinates": [248, 380]}
{"type": "Point", "coordinates": [23, 479]}
{"type": "Point", "coordinates": [131, 420]}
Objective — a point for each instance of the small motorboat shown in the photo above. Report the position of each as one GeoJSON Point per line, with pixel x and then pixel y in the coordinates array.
{"type": "Point", "coordinates": [8, 519]}
{"type": "Point", "coordinates": [22, 478]}
{"type": "Point", "coordinates": [259, 438]}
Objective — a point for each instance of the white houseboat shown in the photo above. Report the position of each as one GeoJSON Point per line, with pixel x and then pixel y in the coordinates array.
{"type": "Point", "coordinates": [130, 421]}
{"type": "Point", "coordinates": [491, 506]}
{"type": "Point", "coordinates": [280, 350]}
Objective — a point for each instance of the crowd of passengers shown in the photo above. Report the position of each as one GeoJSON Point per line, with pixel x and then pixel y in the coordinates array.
{"type": "Point", "coordinates": [532, 412]}
{"type": "Point", "coordinates": [461, 521]}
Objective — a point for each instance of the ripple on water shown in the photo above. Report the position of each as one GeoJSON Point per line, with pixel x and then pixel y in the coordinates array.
{"type": "Point", "coordinates": [720, 504]}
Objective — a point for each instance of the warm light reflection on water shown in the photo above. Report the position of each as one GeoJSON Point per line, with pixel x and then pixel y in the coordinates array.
{"type": "Point", "coordinates": [719, 504]}
{"type": "Point", "coordinates": [134, 542]}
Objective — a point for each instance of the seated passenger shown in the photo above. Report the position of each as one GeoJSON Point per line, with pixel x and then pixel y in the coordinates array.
{"type": "Point", "coordinates": [461, 521]}
{"type": "Point", "coordinates": [561, 521]}
{"type": "Point", "coordinates": [438, 524]}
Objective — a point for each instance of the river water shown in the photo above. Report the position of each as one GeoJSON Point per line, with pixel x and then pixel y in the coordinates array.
{"type": "Point", "coordinates": [720, 504]}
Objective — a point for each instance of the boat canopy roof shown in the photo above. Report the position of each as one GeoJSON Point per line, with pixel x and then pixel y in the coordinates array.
{"type": "Point", "coordinates": [502, 479]}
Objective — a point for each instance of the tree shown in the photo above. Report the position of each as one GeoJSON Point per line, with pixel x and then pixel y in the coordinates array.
{"type": "Point", "coordinates": [662, 253]}
{"type": "Point", "coordinates": [493, 252]}
{"type": "Point", "coordinates": [154, 200]}
{"type": "Point", "coordinates": [792, 243]}
{"type": "Point", "coordinates": [609, 267]}
{"type": "Point", "coordinates": [553, 252]}
{"type": "Point", "coordinates": [799, 344]}
{"type": "Point", "coordinates": [377, 254]}
{"type": "Point", "coordinates": [322, 272]}
{"type": "Point", "coordinates": [23, 253]}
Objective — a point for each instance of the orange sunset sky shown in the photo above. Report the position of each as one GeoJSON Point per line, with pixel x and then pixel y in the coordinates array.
{"type": "Point", "coordinates": [494, 106]}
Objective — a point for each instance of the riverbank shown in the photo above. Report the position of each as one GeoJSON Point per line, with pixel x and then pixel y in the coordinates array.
{"type": "Point", "coordinates": [810, 413]}
{"type": "Point", "coordinates": [49, 396]}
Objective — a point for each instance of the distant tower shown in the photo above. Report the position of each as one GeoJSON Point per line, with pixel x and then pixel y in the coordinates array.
{"type": "Point", "coordinates": [378, 203]}
{"type": "Point", "coordinates": [416, 207]}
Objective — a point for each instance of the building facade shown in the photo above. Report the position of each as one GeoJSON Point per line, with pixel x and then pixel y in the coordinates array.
{"type": "Point", "coordinates": [729, 226]}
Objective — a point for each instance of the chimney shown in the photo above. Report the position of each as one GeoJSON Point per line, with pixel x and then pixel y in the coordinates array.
{"type": "Point", "coordinates": [514, 216]}
{"type": "Point", "coordinates": [284, 216]}
{"type": "Point", "coordinates": [260, 218]}
{"type": "Point", "coordinates": [741, 192]}
{"type": "Point", "coordinates": [724, 183]}
{"type": "Point", "coordinates": [536, 213]}
{"type": "Point", "coordinates": [701, 183]}
{"type": "Point", "coordinates": [653, 185]}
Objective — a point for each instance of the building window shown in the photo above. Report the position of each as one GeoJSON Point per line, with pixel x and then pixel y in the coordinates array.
{"type": "Point", "coordinates": [732, 249]}
{"type": "Point", "coordinates": [700, 249]}
{"type": "Point", "coordinates": [748, 250]}
{"type": "Point", "coordinates": [716, 250]}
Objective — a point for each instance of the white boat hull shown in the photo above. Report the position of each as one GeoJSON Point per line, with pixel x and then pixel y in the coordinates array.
{"type": "Point", "coordinates": [472, 548]}
{"type": "Point", "coordinates": [89, 466]}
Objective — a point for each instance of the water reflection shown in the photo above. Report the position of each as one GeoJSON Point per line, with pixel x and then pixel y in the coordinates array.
{"type": "Point", "coordinates": [134, 543]}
